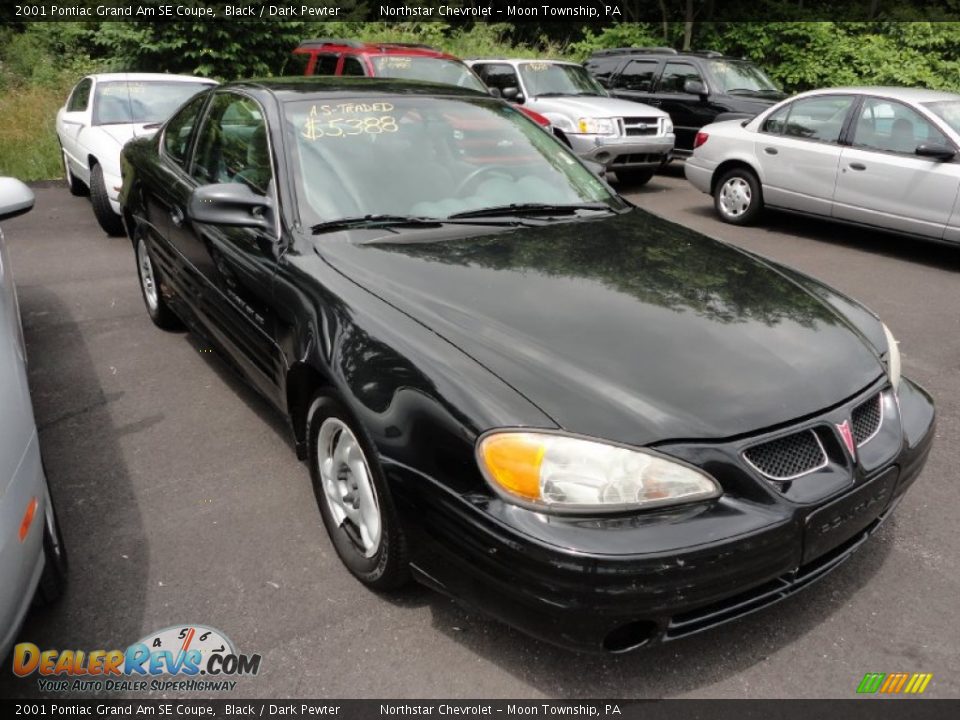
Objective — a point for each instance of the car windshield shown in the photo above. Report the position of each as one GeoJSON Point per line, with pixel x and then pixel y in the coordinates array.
{"type": "Point", "coordinates": [544, 78]}
{"type": "Point", "coordinates": [946, 110]}
{"type": "Point", "coordinates": [145, 101]}
{"type": "Point", "coordinates": [430, 69]}
{"type": "Point", "coordinates": [429, 157]}
{"type": "Point", "coordinates": [733, 76]}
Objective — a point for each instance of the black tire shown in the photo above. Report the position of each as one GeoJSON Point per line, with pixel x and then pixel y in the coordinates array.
{"type": "Point", "coordinates": [737, 197]}
{"type": "Point", "coordinates": [74, 184]}
{"type": "Point", "coordinates": [388, 567]}
{"type": "Point", "coordinates": [53, 581]}
{"type": "Point", "coordinates": [151, 285]}
{"type": "Point", "coordinates": [634, 177]}
{"type": "Point", "coordinates": [108, 219]}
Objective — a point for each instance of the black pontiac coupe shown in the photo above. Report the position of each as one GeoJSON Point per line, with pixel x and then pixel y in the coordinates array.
{"type": "Point", "coordinates": [508, 382]}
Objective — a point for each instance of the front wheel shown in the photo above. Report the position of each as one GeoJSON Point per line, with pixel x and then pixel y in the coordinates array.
{"type": "Point", "coordinates": [634, 177]}
{"type": "Point", "coordinates": [737, 197]}
{"type": "Point", "coordinates": [53, 580]}
{"type": "Point", "coordinates": [108, 219]}
{"type": "Point", "coordinates": [158, 310]}
{"type": "Point", "coordinates": [353, 497]}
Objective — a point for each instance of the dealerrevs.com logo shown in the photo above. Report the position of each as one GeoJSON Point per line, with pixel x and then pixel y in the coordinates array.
{"type": "Point", "coordinates": [178, 658]}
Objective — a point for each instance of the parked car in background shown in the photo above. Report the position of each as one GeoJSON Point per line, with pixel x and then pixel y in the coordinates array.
{"type": "Point", "coordinates": [510, 383]}
{"type": "Point", "coordinates": [33, 561]}
{"type": "Point", "coordinates": [403, 61]}
{"type": "Point", "coordinates": [627, 138]}
{"type": "Point", "coordinates": [103, 112]}
{"type": "Point", "coordinates": [873, 156]}
{"type": "Point", "coordinates": [695, 88]}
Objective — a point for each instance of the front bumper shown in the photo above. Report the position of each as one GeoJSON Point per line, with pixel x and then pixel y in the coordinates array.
{"type": "Point", "coordinates": [618, 583]}
{"type": "Point", "coordinates": [113, 184]}
{"type": "Point", "coordinates": [623, 152]}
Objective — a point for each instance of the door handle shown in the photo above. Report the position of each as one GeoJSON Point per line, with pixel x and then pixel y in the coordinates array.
{"type": "Point", "coordinates": [857, 166]}
{"type": "Point", "coordinates": [770, 151]}
{"type": "Point", "coordinates": [176, 215]}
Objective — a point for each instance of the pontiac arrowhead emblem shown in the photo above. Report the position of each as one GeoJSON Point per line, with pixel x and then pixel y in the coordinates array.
{"type": "Point", "coordinates": [847, 435]}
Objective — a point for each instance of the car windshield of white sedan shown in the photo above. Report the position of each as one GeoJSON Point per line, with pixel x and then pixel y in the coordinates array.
{"type": "Point", "coordinates": [121, 102]}
{"type": "Point", "coordinates": [429, 69]}
{"type": "Point", "coordinates": [948, 111]}
{"type": "Point", "coordinates": [740, 78]}
{"type": "Point", "coordinates": [429, 157]}
{"type": "Point", "coordinates": [543, 79]}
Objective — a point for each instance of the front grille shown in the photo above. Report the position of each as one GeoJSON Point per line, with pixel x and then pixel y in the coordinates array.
{"type": "Point", "coordinates": [636, 158]}
{"type": "Point", "coordinates": [788, 457]}
{"type": "Point", "coordinates": [633, 126]}
{"type": "Point", "coordinates": [867, 417]}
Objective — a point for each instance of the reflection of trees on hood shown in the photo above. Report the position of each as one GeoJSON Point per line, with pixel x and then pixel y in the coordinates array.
{"type": "Point", "coordinates": [651, 259]}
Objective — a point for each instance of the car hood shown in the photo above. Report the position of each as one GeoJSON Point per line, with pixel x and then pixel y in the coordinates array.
{"type": "Point", "coordinates": [629, 328]}
{"type": "Point", "coordinates": [125, 132]}
{"type": "Point", "coordinates": [592, 106]}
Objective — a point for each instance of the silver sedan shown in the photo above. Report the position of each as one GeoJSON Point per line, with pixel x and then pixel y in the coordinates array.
{"type": "Point", "coordinates": [32, 557]}
{"type": "Point", "coordinates": [881, 157]}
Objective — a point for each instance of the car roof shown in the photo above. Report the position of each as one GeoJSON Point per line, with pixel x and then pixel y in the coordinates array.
{"type": "Point", "coordinates": [294, 88]}
{"type": "Point", "coordinates": [914, 95]}
{"type": "Point", "coordinates": [147, 77]}
{"type": "Point", "coordinates": [357, 47]}
{"type": "Point", "coordinates": [521, 60]}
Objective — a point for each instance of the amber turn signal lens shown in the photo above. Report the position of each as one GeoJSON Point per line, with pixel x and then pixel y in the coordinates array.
{"type": "Point", "coordinates": [513, 459]}
{"type": "Point", "coordinates": [28, 519]}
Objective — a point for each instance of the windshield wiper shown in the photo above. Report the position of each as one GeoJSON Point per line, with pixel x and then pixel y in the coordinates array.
{"type": "Point", "coordinates": [530, 209]}
{"type": "Point", "coordinates": [371, 221]}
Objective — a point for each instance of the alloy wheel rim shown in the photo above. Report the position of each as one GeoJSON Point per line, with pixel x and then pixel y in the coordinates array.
{"type": "Point", "coordinates": [147, 280]}
{"type": "Point", "coordinates": [348, 486]}
{"type": "Point", "coordinates": [735, 197]}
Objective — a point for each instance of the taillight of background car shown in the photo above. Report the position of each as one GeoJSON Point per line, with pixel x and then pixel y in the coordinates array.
{"type": "Point", "coordinates": [700, 139]}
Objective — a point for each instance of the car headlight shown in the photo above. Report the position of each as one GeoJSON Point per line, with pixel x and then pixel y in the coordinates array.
{"type": "Point", "coordinates": [893, 358]}
{"type": "Point", "coordinates": [596, 126]}
{"type": "Point", "coordinates": [558, 473]}
{"type": "Point", "coordinates": [667, 126]}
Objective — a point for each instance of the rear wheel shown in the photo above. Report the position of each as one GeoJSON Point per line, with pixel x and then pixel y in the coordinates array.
{"type": "Point", "coordinates": [737, 197]}
{"type": "Point", "coordinates": [75, 185]}
{"type": "Point", "coordinates": [158, 310]}
{"type": "Point", "coordinates": [635, 177]}
{"type": "Point", "coordinates": [108, 219]}
{"type": "Point", "coordinates": [353, 497]}
{"type": "Point", "coordinates": [53, 581]}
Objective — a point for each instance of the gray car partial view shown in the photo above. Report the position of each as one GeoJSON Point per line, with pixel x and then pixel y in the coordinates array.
{"type": "Point", "coordinates": [32, 556]}
{"type": "Point", "coordinates": [628, 138]}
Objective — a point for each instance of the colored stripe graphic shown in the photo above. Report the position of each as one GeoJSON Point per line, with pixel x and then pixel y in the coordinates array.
{"type": "Point", "coordinates": [894, 683]}
{"type": "Point", "coordinates": [871, 682]}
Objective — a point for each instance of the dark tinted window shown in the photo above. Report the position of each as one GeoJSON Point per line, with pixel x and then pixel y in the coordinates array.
{"type": "Point", "coordinates": [893, 127]}
{"type": "Point", "coordinates": [176, 137]}
{"type": "Point", "coordinates": [80, 97]}
{"type": "Point", "coordinates": [352, 66]}
{"type": "Point", "coordinates": [497, 75]}
{"type": "Point", "coordinates": [676, 74]}
{"type": "Point", "coordinates": [818, 118]}
{"type": "Point", "coordinates": [326, 65]}
{"type": "Point", "coordinates": [775, 122]}
{"type": "Point", "coordinates": [232, 144]}
{"type": "Point", "coordinates": [603, 69]}
{"type": "Point", "coordinates": [296, 64]}
{"type": "Point", "coordinates": [637, 76]}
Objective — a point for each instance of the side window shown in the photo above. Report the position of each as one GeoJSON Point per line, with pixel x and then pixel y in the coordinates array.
{"type": "Point", "coordinates": [498, 75]}
{"type": "Point", "coordinates": [326, 65]}
{"type": "Point", "coordinates": [176, 136]}
{"type": "Point", "coordinates": [891, 127]}
{"type": "Point", "coordinates": [818, 118]}
{"type": "Point", "coordinates": [232, 144]}
{"type": "Point", "coordinates": [675, 74]}
{"type": "Point", "coordinates": [352, 66]}
{"type": "Point", "coordinates": [296, 64]}
{"type": "Point", "coordinates": [603, 69]}
{"type": "Point", "coordinates": [637, 76]}
{"type": "Point", "coordinates": [80, 97]}
{"type": "Point", "coordinates": [775, 122]}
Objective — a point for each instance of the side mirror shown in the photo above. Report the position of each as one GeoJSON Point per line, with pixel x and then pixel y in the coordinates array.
{"type": "Point", "coordinates": [935, 151]}
{"type": "Point", "coordinates": [232, 204]}
{"type": "Point", "coordinates": [694, 87]}
{"type": "Point", "coordinates": [495, 92]}
{"type": "Point", "coordinates": [512, 94]}
{"type": "Point", "coordinates": [15, 198]}
{"type": "Point", "coordinates": [76, 118]}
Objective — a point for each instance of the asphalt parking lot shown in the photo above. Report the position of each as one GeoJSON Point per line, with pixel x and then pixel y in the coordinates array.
{"type": "Point", "coordinates": [182, 501]}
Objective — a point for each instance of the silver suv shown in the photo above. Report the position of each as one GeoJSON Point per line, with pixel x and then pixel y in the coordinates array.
{"type": "Point", "coordinates": [628, 138]}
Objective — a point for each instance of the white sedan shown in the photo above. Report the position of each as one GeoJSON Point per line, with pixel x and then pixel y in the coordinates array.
{"type": "Point", "coordinates": [101, 114]}
{"type": "Point", "coordinates": [885, 158]}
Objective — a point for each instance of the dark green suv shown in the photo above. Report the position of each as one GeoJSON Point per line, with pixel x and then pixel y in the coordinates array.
{"type": "Point", "coordinates": [695, 88]}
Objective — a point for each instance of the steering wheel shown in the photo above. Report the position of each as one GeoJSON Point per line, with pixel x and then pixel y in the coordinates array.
{"type": "Point", "coordinates": [465, 183]}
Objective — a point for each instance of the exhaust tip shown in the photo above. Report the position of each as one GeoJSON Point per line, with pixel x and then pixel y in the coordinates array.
{"type": "Point", "coordinates": [630, 636]}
